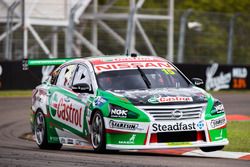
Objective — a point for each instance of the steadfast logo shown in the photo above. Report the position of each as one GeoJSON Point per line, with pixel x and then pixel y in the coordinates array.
{"type": "Point", "coordinates": [123, 125]}
{"type": "Point", "coordinates": [177, 126]}
{"type": "Point", "coordinates": [67, 112]}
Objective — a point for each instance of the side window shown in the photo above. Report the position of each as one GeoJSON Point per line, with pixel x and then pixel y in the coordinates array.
{"type": "Point", "coordinates": [82, 76]}
{"type": "Point", "coordinates": [65, 77]}
{"type": "Point", "coordinates": [54, 76]}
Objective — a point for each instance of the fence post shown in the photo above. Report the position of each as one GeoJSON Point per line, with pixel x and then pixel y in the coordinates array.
{"type": "Point", "coordinates": [170, 52]}
{"type": "Point", "coordinates": [230, 39]}
{"type": "Point", "coordinates": [181, 44]}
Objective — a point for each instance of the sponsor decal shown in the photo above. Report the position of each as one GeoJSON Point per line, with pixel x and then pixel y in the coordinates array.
{"type": "Point", "coordinates": [168, 71]}
{"type": "Point", "coordinates": [219, 108]}
{"type": "Point", "coordinates": [70, 141]}
{"type": "Point", "coordinates": [215, 123]}
{"type": "Point", "coordinates": [98, 61]}
{"type": "Point", "coordinates": [130, 141]}
{"type": "Point", "coordinates": [118, 113]}
{"type": "Point", "coordinates": [220, 136]}
{"type": "Point", "coordinates": [222, 81]}
{"type": "Point", "coordinates": [67, 112]}
{"type": "Point", "coordinates": [169, 99]}
{"type": "Point", "coordinates": [99, 101]}
{"type": "Point", "coordinates": [123, 125]}
{"type": "Point", "coordinates": [178, 126]}
{"type": "Point", "coordinates": [200, 125]}
{"type": "Point", "coordinates": [179, 144]}
{"type": "Point", "coordinates": [125, 59]}
{"type": "Point", "coordinates": [237, 78]}
{"type": "Point", "coordinates": [131, 65]}
{"type": "Point", "coordinates": [53, 138]}
{"type": "Point", "coordinates": [114, 125]}
{"type": "Point", "coordinates": [239, 72]}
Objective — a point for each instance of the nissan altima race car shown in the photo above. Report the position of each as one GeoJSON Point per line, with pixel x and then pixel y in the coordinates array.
{"type": "Point", "coordinates": [124, 103]}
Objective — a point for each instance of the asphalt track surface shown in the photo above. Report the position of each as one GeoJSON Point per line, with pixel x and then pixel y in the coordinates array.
{"type": "Point", "coordinates": [14, 122]}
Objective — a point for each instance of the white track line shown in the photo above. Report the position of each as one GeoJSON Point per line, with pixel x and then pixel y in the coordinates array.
{"type": "Point", "coordinates": [216, 154]}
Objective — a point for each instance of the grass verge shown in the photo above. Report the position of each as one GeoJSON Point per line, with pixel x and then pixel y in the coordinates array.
{"type": "Point", "coordinates": [238, 136]}
{"type": "Point", "coordinates": [15, 93]}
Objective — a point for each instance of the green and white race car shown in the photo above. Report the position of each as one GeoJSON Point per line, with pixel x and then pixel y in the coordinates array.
{"type": "Point", "coordinates": [124, 103]}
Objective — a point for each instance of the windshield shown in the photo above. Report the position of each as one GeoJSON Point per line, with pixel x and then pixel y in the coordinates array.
{"type": "Point", "coordinates": [132, 79]}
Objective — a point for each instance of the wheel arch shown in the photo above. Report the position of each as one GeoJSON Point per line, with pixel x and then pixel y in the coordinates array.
{"type": "Point", "coordinates": [93, 113]}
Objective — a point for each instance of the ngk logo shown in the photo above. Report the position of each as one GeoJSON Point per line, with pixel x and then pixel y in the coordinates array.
{"type": "Point", "coordinates": [118, 113]}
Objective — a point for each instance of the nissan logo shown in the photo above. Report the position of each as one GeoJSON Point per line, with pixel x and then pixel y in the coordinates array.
{"type": "Point", "coordinates": [177, 114]}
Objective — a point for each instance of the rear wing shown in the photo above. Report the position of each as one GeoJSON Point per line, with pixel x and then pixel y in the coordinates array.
{"type": "Point", "coordinates": [44, 62]}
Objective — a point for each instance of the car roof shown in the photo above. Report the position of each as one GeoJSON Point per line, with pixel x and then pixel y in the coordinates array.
{"type": "Point", "coordinates": [122, 62]}
{"type": "Point", "coordinates": [120, 58]}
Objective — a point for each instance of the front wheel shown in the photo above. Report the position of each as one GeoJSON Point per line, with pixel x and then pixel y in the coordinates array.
{"type": "Point", "coordinates": [41, 133]}
{"type": "Point", "coordinates": [98, 139]}
{"type": "Point", "coordinates": [210, 149]}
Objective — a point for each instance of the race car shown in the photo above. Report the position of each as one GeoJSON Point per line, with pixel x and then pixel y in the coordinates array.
{"type": "Point", "coordinates": [125, 103]}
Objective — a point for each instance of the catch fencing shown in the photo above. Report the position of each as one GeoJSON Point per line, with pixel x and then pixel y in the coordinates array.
{"type": "Point", "coordinates": [208, 37]}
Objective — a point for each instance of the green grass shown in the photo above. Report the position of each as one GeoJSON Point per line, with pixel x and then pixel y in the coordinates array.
{"type": "Point", "coordinates": [239, 136]}
{"type": "Point", "coordinates": [15, 93]}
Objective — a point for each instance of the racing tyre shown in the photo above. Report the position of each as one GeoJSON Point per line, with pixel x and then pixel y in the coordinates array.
{"type": "Point", "coordinates": [98, 136]}
{"type": "Point", "coordinates": [210, 149]}
{"type": "Point", "coordinates": [41, 133]}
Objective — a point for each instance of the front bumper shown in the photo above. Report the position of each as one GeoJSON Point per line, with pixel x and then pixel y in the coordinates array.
{"type": "Point", "coordinates": [151, 135]}
{"type": "Point", "coordinates": [167, 145]}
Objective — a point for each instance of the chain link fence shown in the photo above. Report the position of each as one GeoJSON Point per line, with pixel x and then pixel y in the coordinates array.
{"type": "Point", "coordinates": [206, 38]}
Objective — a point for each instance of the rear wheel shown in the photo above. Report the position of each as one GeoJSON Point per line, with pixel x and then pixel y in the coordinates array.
{"type": "Point", "coordinates": [41, 133]}
{"type": "Point", "coordinates": [98, 138]}
{"type": "Point", "coordinates": [210, 149]}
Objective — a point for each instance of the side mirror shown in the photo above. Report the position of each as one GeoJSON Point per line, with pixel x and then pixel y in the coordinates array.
{"type": "Point", "coordinates": [81, 88]}
{"type": "Point", "coordinates": [197, 81]}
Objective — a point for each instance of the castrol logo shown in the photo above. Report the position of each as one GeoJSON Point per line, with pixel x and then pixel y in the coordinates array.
{"type": "Point", "coordinates": [67, 112]}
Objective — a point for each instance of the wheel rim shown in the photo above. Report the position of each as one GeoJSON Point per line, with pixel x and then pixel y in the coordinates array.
{"type": "Point", "coordinates": [39, 128]}
{"type": "Point", "coordinates": [97, 127]}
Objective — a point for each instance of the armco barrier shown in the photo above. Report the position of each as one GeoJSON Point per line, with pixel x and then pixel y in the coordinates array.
{"type": "Point", "coordinates": [215, 76]}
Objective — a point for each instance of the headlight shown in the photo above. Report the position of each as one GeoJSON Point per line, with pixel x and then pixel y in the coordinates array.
{"type": "Point", "coordinates": [120, 112]}
{"type": "Point", "coordinates": [218, 108]}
